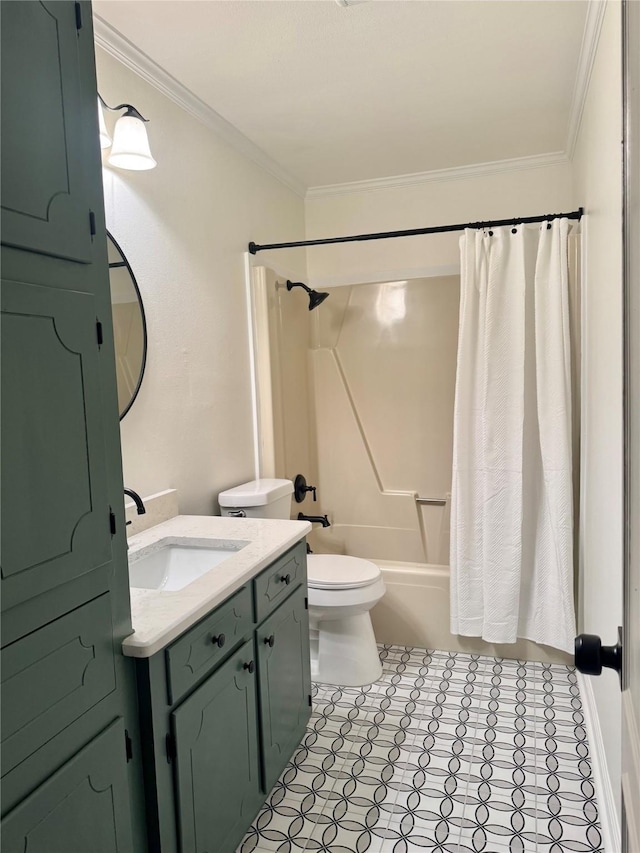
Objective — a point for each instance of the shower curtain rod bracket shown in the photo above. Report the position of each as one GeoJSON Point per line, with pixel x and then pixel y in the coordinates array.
{"type": "Point", "coordinates": [254, 248]}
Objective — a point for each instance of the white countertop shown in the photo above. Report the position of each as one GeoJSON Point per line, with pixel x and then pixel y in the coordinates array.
{"type": "Point", "coordinates": [158, 617]}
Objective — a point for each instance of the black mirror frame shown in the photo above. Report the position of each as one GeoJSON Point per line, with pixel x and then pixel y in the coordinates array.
{"type": "Point", "coordinates": [144, 323]}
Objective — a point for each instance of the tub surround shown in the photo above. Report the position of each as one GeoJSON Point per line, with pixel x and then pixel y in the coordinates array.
{"type": "Point", "coordinates": [159, 617]}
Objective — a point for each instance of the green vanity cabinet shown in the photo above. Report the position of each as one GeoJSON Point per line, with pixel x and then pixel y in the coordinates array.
{"type": "Point", "coordinates": [219, 723]}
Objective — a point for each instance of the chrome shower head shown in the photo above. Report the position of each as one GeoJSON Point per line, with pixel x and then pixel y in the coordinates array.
{"type": "Point", "coordinates": [315, 296]}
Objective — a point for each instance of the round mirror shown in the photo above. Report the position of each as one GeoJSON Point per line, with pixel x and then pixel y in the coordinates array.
{"type": "Point", "coordinates": [129, 327]}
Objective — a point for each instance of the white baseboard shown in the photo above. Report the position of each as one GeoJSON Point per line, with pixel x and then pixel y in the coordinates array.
{"type": "Point", "coordinates": [608, 813]}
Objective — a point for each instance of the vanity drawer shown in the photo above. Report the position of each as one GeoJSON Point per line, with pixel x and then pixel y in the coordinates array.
{"type": "Point", "coordinates": [196, 652]}
{"type": "Point", "coordinates": [279, 580]}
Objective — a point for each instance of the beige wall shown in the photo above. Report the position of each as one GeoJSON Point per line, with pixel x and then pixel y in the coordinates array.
{"type": "Point", "coordinates": [184, 227]}
{"type": "Point", "coordinates": [518, 193]}
{"type": "Point", "coordinates": [598, 186]}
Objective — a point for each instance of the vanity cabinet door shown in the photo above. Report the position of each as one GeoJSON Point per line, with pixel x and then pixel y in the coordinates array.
{"type": "Point", "coordinates": [284, 683]}
{"type": "Point", "coordinates": [55, 506]}
{"type": "Point", "coordinates": [44, 204]}
{"type": "Point", "coordinates": [217, 766]}
{"type": "Point", "coordinates": [83, 807]}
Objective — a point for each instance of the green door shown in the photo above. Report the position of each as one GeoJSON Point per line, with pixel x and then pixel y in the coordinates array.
{"type": "Point", "coordinates": [217, 765]}
{"type": "Point", "coordinates": [44, 174]}
{"type": "Point", "coordinates": [284, 683]}
{"type": "Point", "coordinates": [83, 808]}
{"type": "Point", "coordinates": [55, 509]}
{"type": "Point", "coordinates": [60, 449]}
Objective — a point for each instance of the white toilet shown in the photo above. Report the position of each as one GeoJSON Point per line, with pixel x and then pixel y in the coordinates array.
{"type": "Point", "coordinates": [342, 591]}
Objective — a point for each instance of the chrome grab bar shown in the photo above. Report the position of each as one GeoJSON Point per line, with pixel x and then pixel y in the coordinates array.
{"type": "Point", "coordinates": [432, 501]}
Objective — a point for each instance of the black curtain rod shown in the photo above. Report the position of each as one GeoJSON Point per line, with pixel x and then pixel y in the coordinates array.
{"type": "Point", "coordinates": [440, 229]}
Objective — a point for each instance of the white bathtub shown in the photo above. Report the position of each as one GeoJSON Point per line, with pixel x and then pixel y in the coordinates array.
{"type": "Point", "coordinates": [415, 612]}
{"type": "Point", "coordinates": [415, 608]}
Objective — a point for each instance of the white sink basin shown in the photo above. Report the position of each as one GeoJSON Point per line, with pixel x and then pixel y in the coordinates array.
{"type": "Point", "coordinates": [171, 565]}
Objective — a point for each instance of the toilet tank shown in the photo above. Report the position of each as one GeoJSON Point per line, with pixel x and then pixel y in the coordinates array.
{"type": "Point", "coordinates": [267, 498]}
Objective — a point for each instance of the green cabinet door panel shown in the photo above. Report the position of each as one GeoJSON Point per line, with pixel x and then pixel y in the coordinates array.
{"type": "Point", "coordinates": [52, 676]}
{"type": "Point", "coordinates": [275, 583]}
{"type": "Point", "coordinates": [44, 165]}
{"type": "Point", "coordinates": [216, 734]}
{"type": "Point", "coordinates": [284, 683]}
{"type": "Point", "coordinates": [54, 498]}
{"type": "Point", "coordinates": [82, 808]}
{"type": "Point", "coordinates": [205, 645]}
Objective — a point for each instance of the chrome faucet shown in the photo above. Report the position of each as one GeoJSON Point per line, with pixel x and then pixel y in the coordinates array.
{"type": "Point", "coordinates": [137, 500]}
{"type": "Point", "coordinates": [318, 519]}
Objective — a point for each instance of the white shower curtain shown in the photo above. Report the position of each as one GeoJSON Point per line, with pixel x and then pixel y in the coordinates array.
{"type": "Point", "coordinates": [512, 503]}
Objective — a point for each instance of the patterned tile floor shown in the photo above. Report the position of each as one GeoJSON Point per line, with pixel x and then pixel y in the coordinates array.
{"type": "Point", "coordinates": [447, 752]}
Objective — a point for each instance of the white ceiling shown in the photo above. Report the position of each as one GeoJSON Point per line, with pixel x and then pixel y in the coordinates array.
{"type": "Point", "coordinates": [381, 88]}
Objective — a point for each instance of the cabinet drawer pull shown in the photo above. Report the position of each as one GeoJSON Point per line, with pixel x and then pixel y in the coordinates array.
{"type": "Point", "coordinates": [250, 666]}
{"type": "Point", "coordinates": [269, 641]}
{"type": "Point", "coordinates": [219, 640]}
{"type": "Point", "coordinates": [286, 579]}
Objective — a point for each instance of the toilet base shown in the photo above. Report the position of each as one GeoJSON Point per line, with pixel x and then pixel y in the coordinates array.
{"type": "Point", "coordinates": [344, 651]}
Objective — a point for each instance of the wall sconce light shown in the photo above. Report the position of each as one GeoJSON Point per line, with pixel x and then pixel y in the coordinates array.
{"type": "Point", "coordinates": [130, 146]}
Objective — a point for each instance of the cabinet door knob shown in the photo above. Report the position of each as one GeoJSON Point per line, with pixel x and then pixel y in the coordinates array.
{"type": "Point", "coordinates": [250, 666]}
{"type": "Point", "coordinates": [219, 641]}
{"type": "Point", "coordinates": [269, 641]}
{"type": "Point", "coordinates": [286, 579]}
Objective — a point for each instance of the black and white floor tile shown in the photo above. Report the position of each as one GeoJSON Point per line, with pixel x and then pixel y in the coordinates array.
{"type": "Point", "coordinates": [448, 752]}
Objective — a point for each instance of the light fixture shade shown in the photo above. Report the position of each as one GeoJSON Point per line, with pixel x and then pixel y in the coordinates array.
{"type": "Point", "coordinates": [130, 148]}
{"type": "Point", "coordinates": [105, 139]}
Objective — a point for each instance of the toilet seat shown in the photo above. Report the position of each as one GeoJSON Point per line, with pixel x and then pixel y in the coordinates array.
{"type": "Point", "coordinates": [337, 571]}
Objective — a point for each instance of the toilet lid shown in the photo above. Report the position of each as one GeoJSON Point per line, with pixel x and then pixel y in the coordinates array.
{"type": "Point", "coordinates": [337, 571]}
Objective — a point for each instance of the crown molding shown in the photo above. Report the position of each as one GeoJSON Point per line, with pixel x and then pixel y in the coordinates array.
{"type": "Point", "coordinates": [588, 49]}
{"type": "Point", "coordinates": [475, 170]}
{"type": "Point", "coordinates": [115, 44]}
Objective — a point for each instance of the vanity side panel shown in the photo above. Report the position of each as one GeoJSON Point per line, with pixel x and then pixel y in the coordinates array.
{"type": "Point", "coordinates": [151, 677]}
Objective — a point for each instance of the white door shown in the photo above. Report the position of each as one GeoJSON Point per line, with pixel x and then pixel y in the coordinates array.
{"type": "Point", "coordinates": [631, 254]}
{"type": "Point", "coordinates": [591, 656]}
